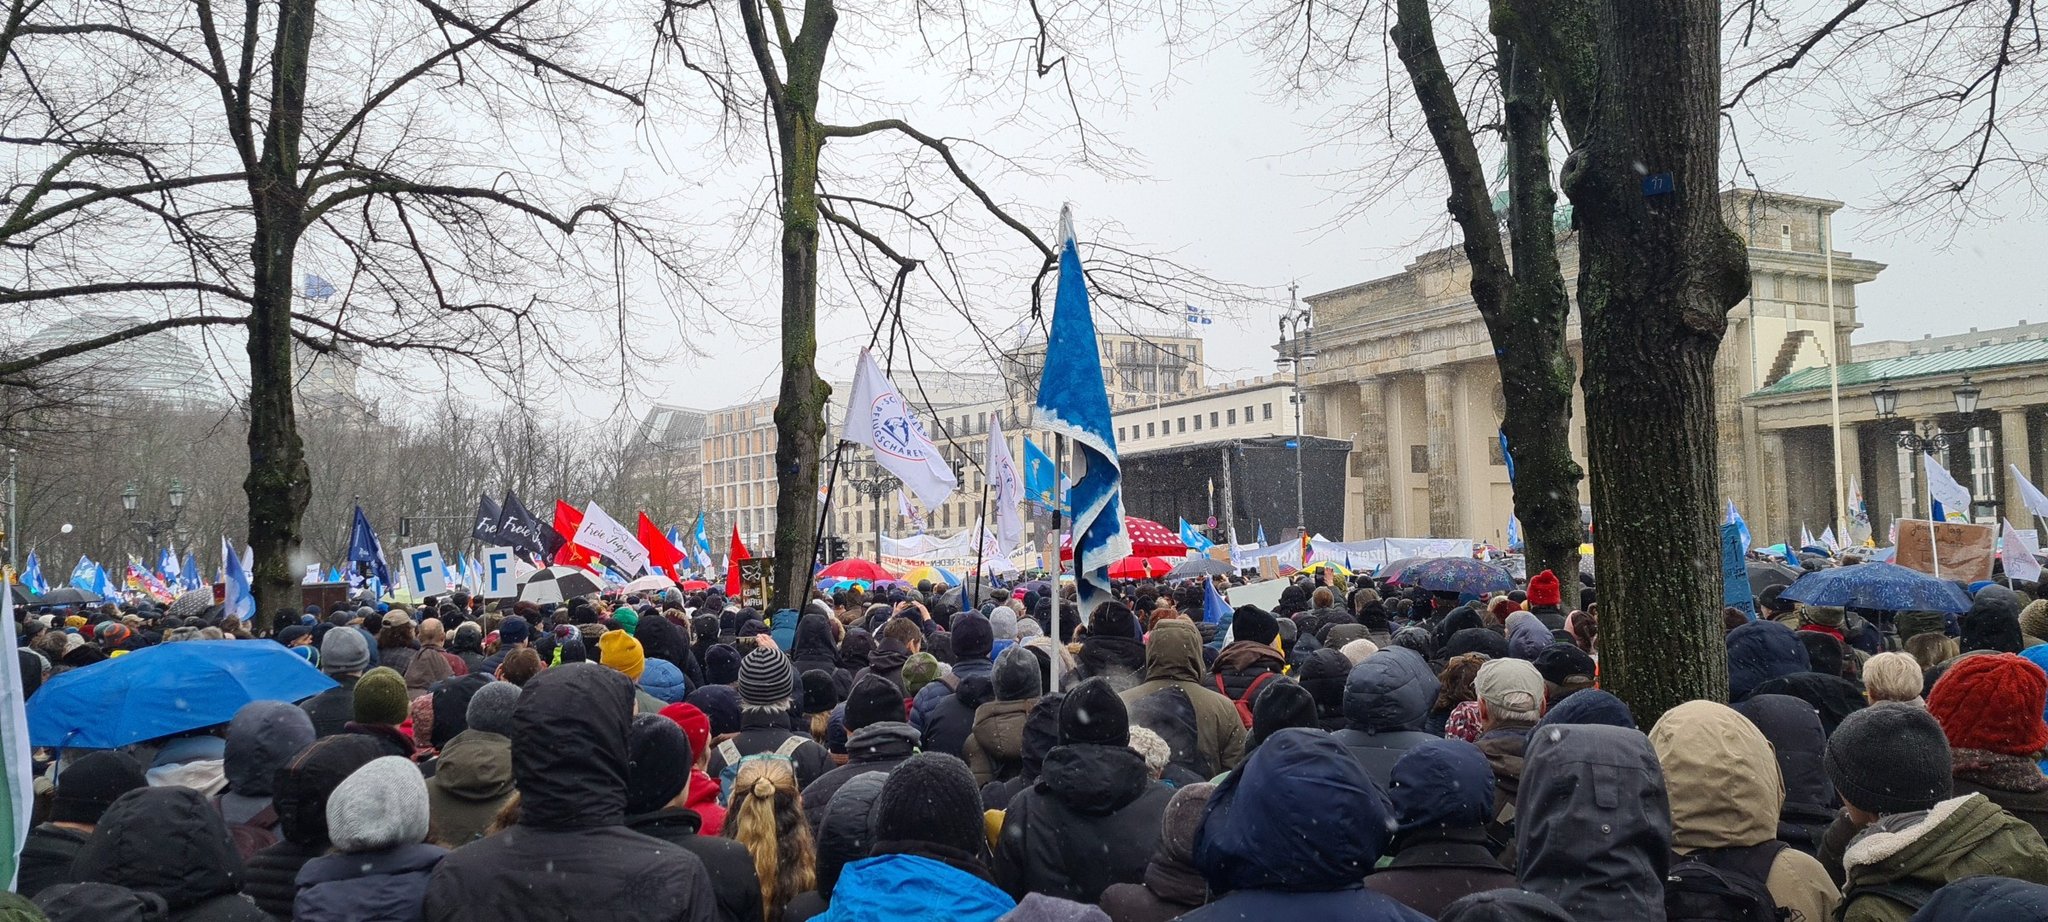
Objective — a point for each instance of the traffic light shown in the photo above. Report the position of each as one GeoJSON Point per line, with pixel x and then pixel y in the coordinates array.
{"type": "Point", "coordinates": [835, 549]}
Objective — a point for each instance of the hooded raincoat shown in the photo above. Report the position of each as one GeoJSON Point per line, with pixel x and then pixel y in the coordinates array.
{"type": "Point", "coordinates": [1593, 827]}
{"type": "Point", "coordinates": [1173, 659]}
{"type": "Point", "coordinates": [1386, 705]}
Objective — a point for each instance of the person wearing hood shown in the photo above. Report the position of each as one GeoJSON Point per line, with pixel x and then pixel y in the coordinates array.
{"type": "Point", "coordinates": [376, 819]}
{"type": "Point", "coordinates": [1726, 794]}
{"type": "Point", "coordinates": [1262, 861]}
{"type": "Point", "coordinates": [1990, 708]}
{"type": "Point", "coordinates": [1251, 660]}
{"type": "Point", "coordinates": [657, 792]}
{"type": "Point", "coordinates": [1986, 899]}
{"type": "Point", "coordinates": [1111, 649]}
{"type": "Point", "coordinates": [570, 855]}
{"type": "Point", "coordinates": [814, 647]}
{"type": "Point", "coordinates": [1171, 887]}
{"type": "Point", "coordinates": [86, 787]}
{"type": "Point", "coordinates": [1041, 734]}
{"type": "Point", "coordinates": [1002, 623]}
{"type": "Point", "coordinates": [262, 737]}
{"type": "Point", "coordinates": [1831, 696]}
{"type": "Point", "coordinates": [1527, 637]}
{"type": "Point", "coordinates": [877, 740]}
{"type": "Point", "coordinates": [929, 852]}
{"type": "Point", "coordinates": [1093, 817]}
{"type": "Point", "coordinates": [995, 749]}
{"type": "Point", "coordinates": [1797, 740]}
{"type": "Point", "coordinates": [1593, 826]}
{"type": "Point", "coordinates": [767, 691]}
{"type": "Point", "coordinates": [473, 778]}
{"type": "Point", "coordinates": [300, 796]}
{"type": "Point", "coordinates": [1324, 674]}
{"type": "Point", "coordinates": [344, 657]}
{"type": "Point", "coordinates": [1993, 621]}
{"type": "Point", "coordinates": [196, 759]}
{"type": "Point", "coordinates": [1386, 706]}
{"type": "Point", "coordinates": [170, 842]}
{"type": "Point", "coordinates": [845, 834]}
{"type": "Point", "coordinates": [1590, 707]}
{"type": "Point", "coordinates": [1279, 705]}
{"type": "Point", "coordinates": [1891, 764]}
{"type": "Point", "coordinates": [1173, 659]}
{"type": "Point", "coordinates": [943, 710]}
{"type": "Point", "coordinates": [1760, 651]}
{"type": "Point", "coordinates": [1443, 796]}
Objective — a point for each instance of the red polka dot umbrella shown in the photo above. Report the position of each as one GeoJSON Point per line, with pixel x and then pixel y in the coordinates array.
{"type": "Point", "coordinates": [1148, 539]}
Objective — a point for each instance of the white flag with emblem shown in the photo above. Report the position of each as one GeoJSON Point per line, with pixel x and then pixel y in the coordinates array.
{"type": "Point", "coordinates": [878, 417]}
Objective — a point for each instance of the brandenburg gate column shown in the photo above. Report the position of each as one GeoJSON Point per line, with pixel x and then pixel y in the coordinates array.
{"type": "Point", "coordinates": [1369, 447]}
{"type": "Point", "coordinates": [1439, 402]}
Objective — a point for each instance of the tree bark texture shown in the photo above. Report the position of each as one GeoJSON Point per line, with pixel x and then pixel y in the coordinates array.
{"type": "Point", "coordinates": [1522, 299]}
{"type": "Point", "coordinates": [1638, 83]}
{"type": "Point", "coordinates": [279, 485]}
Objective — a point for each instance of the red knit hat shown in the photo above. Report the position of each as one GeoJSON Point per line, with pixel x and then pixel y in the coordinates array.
{"type": "Point", "coordinates": [1543, 590]}
{"type": "Point", "coordinates": [696, 726]}
{"type": "Point", "coordinates": [1993, 702]}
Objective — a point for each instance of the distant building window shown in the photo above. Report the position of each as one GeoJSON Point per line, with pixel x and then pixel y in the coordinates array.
{"type": "Point", "coordinates": [1119, 433]}
{"type": "Point", "coordinates": [1181, 425]}
{"type": "Point", "coordinates": [1151, 429]}
{"type": "Point", "coordinates": [1268, 411]}
{"type": "Point", "coordinates": [1247, 414]}
{"type": "Point", "coordinates": [1784, 236]}
{"type": "Point", "coordinates": [1233, 417]}
{"type": "Point", "coordinates": [1198, 422]}
{"type": "Point", "coordinates": [1212, 419]}
{"type": "Point", "coordinates": [1418, 459]}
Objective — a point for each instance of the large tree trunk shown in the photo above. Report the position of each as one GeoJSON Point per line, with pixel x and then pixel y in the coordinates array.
{"type": "Point", "coordinates": [1522, 300]}
{"type": "Point", "coordinates": [1639, 85]}
{"type": "Point", "coordinates": [279, 485]}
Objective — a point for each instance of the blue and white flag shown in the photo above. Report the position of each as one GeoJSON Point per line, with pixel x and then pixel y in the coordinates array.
{"type": "Point", "coordinates": [877, 416]}
{"type": "Point", "coordinates": [1041, 484]}
{"type": "Point", "coordinates": [1214, 609]}
{"type": "Point", "coordinates": [167, 564]}
{"type": "Point", "coordinates": [1507, 457]}
{"type": "Point", "coordinates": [365, 547]}
{"type": "Point", "coordinates": [1199, 316]}
{"type": "Point", "coordinates": [1197, 543]}
{"type": "Point", "coordinates": [17, 772]}
{"type": "Point", "coordinates": [1072, 401]}
{"type": "Point", "coordinates": [1949, 500]}
{"type": "Point", "coordinates": [188, 575]}
{"type": "Point", "coordinates": [703, 542]}
{"type": "Point", "coordinates": [1741, 527]}
{"type": "Point", "coordinates": [1006, 489]}
{"type": "Point", "coordinates": [102, 584]}
{"type": "Point", "coordinates": [32, 575]}
{"type": "Point", "coordinates": [1262, 534]}
{"type": "Point", "coordinates": [1514, 533]}
{"type": "Point", "coordinates": [84, 576]}
{"type": "Point", "coordinates": [317, 288]}
{"type": "Point", "coordinates": [240, 599]}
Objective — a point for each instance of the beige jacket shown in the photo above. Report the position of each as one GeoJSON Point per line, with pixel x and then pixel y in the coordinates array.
{"type": "Point", "coordinates": [1725, 792]}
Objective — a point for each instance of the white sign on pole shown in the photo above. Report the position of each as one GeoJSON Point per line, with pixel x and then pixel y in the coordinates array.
{"type": "Point", "coordinates": [499, 580]}
{"type": "Point", "coordinates": [425, 575]}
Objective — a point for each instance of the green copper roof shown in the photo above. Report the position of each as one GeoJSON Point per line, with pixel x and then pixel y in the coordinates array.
{"type": "Point", "coordinates": [1954, 361]}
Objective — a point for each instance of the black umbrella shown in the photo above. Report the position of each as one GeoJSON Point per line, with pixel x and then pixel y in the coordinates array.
{"type": "Point", "coordinates": [20, 593]}
{"type": "Point", "coordinates": [67, 595]}
{"type": "Point", "coordinates": [1764, 574]}
{"type": "Point", "coordinates": [1199, 566]}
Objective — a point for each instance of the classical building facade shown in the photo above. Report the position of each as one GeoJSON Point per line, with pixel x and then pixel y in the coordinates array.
{"type": "Point", "coordinates": [1405, 371]}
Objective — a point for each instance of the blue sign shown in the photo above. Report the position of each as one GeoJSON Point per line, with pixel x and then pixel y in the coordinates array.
{"type": "Point", "coordinates": [1293, 444]}
{"type": "Point", "coordinates": [1659, 184]}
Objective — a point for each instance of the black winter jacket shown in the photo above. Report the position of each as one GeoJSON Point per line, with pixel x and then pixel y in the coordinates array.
{"type": "Point", "coordinates": [173, 843]}
{"type": "Point", "coordinates": [271, 878]}
{"type": "Point", "coordinates": [46, 858]}
{"type": "Point", "coordinates": [845, 836]}
{"type": "Point", "coordinates": [951, 720]}
{"type": "Point", "coordinates": [877, 747]}
{"type": "Point", "coordinates": [571, 856]}
{"type": "Point", "coordinates": [728, 862]}
{"type": "Point", "coordinates": [764, 731]}
{"type": "Point", "coordinates": [299, 795]}
{"type": "Point", "coordinates": [387, 885]}
{"type": "Point", "coordinates": [332, 709]}
{"type": "Point", "coordinates": [1092, 820]}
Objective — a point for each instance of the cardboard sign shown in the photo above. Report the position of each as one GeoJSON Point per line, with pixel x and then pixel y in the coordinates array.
{"type": "Point", "coordinates": [1960, 551]}
{"type": "Point", "coordinates": [422, 571]}
{"type": "Point", "coordinates": [498, 576]}
{"type": "Point", "coordinates": [1219, 552]}
{"type": "Point", "coordinates": [1269, 568]}
{"type": "Point", "coordinates": [757, 576]}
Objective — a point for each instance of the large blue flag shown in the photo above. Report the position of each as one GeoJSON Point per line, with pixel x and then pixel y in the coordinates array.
{"type": "Point", "coordinates": [1197, 542]}
{"type": "Point", "coordinates": [102, 584]}
{"type": "Point", "coordinates": [1073, 401]}
{"type": "Point", "coordinates": [1741, 527]}
{"type": "Point", "coordinates": [1214, 609]}
{"type": "Point", "coordinates": [364, 547]}
{"type": "Point", "coordinates": [1262, 534]}
{"type": "Point", "coordinates": [703, 542]}
{"type": "Point", "coordinates": [167, 564]}
{"type": "Point", "coordinates": [188, 576]}
{"type": "Point", "coordinates": [85, 575]}
{"type": "Point", "coordinates": [240, 599]}
{"type": "Point", "coordinates": [32, 575]}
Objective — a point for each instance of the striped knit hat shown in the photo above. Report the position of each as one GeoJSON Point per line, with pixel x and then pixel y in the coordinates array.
{"type": "Point", "coordinates": [764, 678]}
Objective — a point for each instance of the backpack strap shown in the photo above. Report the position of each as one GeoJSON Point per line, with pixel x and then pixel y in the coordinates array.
{"type": "Point", "coordinates": [728, 752]}
{"type": "Point", "coordinates": [1220, 689]}
{"type": "Point", "coordinates": [790, 745]}
{"type": "Point", "coordinates": [1750, 860]}
{"type": "Point", "coordinates": [1251, 691]}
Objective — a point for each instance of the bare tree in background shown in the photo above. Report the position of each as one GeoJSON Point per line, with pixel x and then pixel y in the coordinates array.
{"type": "Point", "coordinates": [184, 162]}
{"type": "Point", "coordinates": [895, 210]}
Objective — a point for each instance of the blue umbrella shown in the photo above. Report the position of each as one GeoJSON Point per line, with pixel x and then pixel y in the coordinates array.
{"type": "Point", "coordinates": [1879, 586]}
{"type": "Point", "coordinates": [165, 689]}
{"type": "Point", "coordinates": [1461, 575]}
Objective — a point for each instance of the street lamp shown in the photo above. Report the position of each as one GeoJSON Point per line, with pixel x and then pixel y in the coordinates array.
{"type": "Point", "coordinates": [1930, 436]}
{"type": "Point", "coordinates": [152, 529]}
{"type": "Point", "coordinates": [873, 482]}
{"type": "Point", "coordinates": [1296, 325]}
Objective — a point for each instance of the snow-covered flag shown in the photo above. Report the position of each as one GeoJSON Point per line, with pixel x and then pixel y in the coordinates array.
{"type": "Point", "coordinates": [878, 417]}
{"type": "Point", "coordinates": [1072, 401]}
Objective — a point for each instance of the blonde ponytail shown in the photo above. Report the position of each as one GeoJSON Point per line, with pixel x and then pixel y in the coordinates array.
{"type": "Point", "coordinates": [767, 817]}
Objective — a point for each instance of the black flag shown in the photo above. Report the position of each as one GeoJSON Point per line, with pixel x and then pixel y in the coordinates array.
{"type": "Point", "coordinates": [487, 515]}
{"type": "Point", "coordinates": [519, 529]}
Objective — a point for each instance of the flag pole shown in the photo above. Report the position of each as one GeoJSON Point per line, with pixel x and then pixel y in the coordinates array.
{"type": "Point", "coordinates": [1059, 461]}
{"type": "Point", "coordinates": [980, 542]}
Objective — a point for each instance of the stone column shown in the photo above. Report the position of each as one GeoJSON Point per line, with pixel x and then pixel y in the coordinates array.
{"type": "Point", "coordinates": [1369, 453]}
{"type": "Point", "coordinates": [1769, 526]}
{"type": "Point", "coordinates": [1397, 440]}
{"type": "Point", "coordinates": [2016, 448]}
{"type": "Point", "coordinates": [1440, 404]}
{"type": "Point", "coordinates": [1881, 493]}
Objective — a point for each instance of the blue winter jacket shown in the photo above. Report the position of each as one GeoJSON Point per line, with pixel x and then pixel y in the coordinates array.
{"type": "Point", "coordinates": [910, 888]}
{"type": "Point", "coordinates": [389, 884]}
{"type": "Point", "coordinates": [1760, 651]}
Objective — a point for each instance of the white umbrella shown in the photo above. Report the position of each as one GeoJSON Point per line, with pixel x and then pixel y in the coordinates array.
{"type": "Point", "coordinates": [652, 582]}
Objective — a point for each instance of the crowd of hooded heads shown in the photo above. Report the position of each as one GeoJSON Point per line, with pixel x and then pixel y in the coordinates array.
{"type": "Point", "coordinates": [1360, 752]}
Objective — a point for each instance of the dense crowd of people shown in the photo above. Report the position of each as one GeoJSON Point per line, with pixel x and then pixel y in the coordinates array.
{"type": "Point", "coordinates": [1359, 752]}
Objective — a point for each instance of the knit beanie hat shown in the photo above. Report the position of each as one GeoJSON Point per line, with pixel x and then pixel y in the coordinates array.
{"type": "Point", "coordinates": [1889, 758]}
{"type": "Point", "coordinates": [874, 700]}
{"type": "Point", "coordinates": [2034, 619]}
{"type": "Point", "coordinates": [1093, 713]}
{"type": "Point", "coordinates": [973, 637]}
{"type": "Point", "coordinates": [512, 630]}
{"type": "Point", "coordinates": [91, 784]}
{"type": "Point", "coordinates": [1250, 622]}
{"type": "Point", "coordinates": [379, 806]}
{"type": "Point", "coordinates": [1512, 689]}
{"type": "Point", "coordinates": [1914, 623]}
{"type": "Point", "coordinates": [1358, 651]}
{"type": "Point", "coordinates": [1183, 822]}
{"type": "Point", "coordinates": [621, 651]}
{"type": "Point", "coordinates": [1560, 661]}
{"type": "Point", "coordinates": [920, 670]}
{"type": "Point", "coordinates": [929, 798]}
{"type": "Point", "coordinates": [722, 665]}
{"type": "Point", "coordinates": [1823, 615]}
{"type": "Point", "coordinates": [657, 763]}
{"type": "Point", "coordinates": [1003, 624]}
{"type": "Point", "coordinates": [695, 726]}
{"type": "Point", "coordinates": [721, 705]}
{"type": "Point", "coordinates": [819, 694]}
{"type": "Point", "coordinates": [1544, 591]}
{"type": "Point", "coordinates": [490, 709]}
{"type": "Point", "coordinates": [380, 697]}
{"type": "Point", "coordinates": [1992, 702]}
{"type": "Point", "coordinates": [764, 678]}
{"type": "Point", "coordinates": [627, 619]}
{"type": "Point", "coordinates": [1016, 676]}
{"type": "Point", "coordinates": [344, 651]}
{"type": "Point", "coordinates": [1280, 704]}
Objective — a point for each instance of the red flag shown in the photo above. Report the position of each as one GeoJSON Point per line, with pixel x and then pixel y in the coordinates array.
{"type": "Point", "coordinates": [660, 553]}
{"type": "Point", "coordinates": [734, 554]}
{"type": "Point", "coordinates": [567, 519]}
